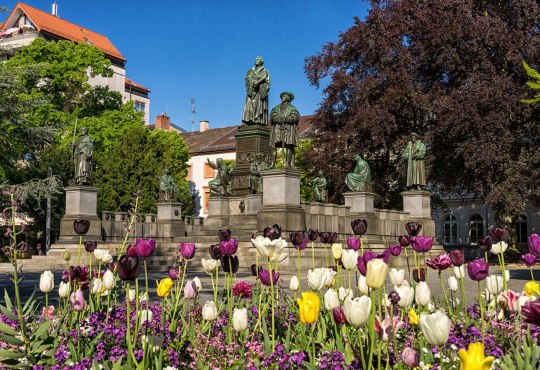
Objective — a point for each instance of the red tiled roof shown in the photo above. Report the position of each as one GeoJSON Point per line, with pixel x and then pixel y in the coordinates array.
{"type": "Point", "coordinates": [136, 85]}
{"type": "Point", "coordinates": [64, 29]}
{"type": "Point", "coordinates": [2, 25]}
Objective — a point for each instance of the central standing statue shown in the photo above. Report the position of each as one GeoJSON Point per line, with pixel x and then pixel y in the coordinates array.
{"type": "Point", "coordinates": [257, 87]}
{"type": "Point", "coordinates": [82, 154]}
{"type": "Point", "coordinates": [284, 119]}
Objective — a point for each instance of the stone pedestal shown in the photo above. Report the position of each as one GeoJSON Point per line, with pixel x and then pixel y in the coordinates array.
{"type": "Point", "coordinates": [81, 204]}
{"type": "Point", "coordinates": [418, 204]}
{"type": "Point", "coordinates": [218, 212]}
{"type": "Point", "coordinates": [250, 140]}
{"type": "Point", "coordinates": [253, 203]}
{"type": "Point", "coordinates": [169, 220]}
{"type": "Point", "coordinates": [360, 202]}
{"type": "Point", "coordinates": [281, 201]}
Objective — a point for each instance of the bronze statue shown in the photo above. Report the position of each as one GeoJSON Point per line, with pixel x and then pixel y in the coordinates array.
{"type": "Point", "coordinates": [255, 180]}
{"type": "Point", "coordinates": [167, 187]}
{"type": "Point", "coordinates": [360, 178]}
{"type": "Point", "coordinates": [415, 153]}
{"type": "Point", "coordinates": [221, 184]}
{"type": "Point", "coordinates": [320, 188]}
{"type": "Point", "coordinates": [82, 155]}
{"type": "Point", "coordinates": [284, 119]}
{"type": "Point", "coordinates": [257, 87]}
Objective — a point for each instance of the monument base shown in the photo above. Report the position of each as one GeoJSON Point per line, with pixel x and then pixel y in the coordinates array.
{"type": "Point", "coordinates": [218, 212]}
{"type": "Point", "coordinates": [81, 204]}
{"type": "Point", "coordinates": [418, 204]}
{"type": "Point", "coordinates": [360, 202]}
{"type": "Point", "coordinates": [169, 220]}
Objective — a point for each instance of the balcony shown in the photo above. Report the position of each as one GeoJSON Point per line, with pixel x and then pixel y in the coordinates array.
{"type": "Point", "coordinates": [17, 40]}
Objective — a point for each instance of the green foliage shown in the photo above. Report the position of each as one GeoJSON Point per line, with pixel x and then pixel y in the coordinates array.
{"type": "Point", "coordinates": [308, 173]}
{"type": "Point", "coordinates": [525, 356]}
{"type": "Point", "coordinates": [534, 85]}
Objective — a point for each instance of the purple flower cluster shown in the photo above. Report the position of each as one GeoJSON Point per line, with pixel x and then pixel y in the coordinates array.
{"type": "Point", "coordinates": [285, 360]}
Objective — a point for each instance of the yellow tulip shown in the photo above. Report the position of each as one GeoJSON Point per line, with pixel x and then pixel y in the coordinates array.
{"type": "Point", "coordinates": [531, 289]}
{"type": "Point", "coordinates": [474, 359]}
{"type": "Point", "coordinates": [308, 307]}
{"type": "Point", "coordinates": [414, 318]}
{"type": "Point", "coordinates": [164, 287]}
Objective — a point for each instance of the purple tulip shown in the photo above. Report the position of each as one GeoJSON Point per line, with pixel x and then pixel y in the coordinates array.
{"type": "Point", "coordinates": [230, 264]}
{"type": "Point", "coordinates": [478, 269]}
{"type": "Point", "coordinates": [173, 273]}
{"type": "Point", "coordinates": [264, 277]}
{"type": "Point", "coordinates": [410, 357]}
{"type": "Point", "coordinates": [531, 312]}
{"type": "Point", "coordinates": [485, 243]}
{"type": "Point", "coordinates": [145, 247]}
{"type": "Point", "coordinates": [529, 259]}
{"type": "Point", "coordinates": [187, 250]}
{"type": "Point", "coordinates": [363, 260]}
{"type": "Point", "coordinates": [413, 228]}
{"type": "Point", "coordinates": [128, 267]}
{"type": "Point", "coordinates": [255, 270]}
{"type": "Point", "coordinates": [339, 315]}
{"type": "Point", "coordinates": [359, 226]}
{"type": "Point", "coordinates": [439, 262]}
{"type": "Point", "coordinates": [404, 240]}
{"type": "Point", "coordinates": [499, 234]}
{"type": "Point", "coordinates": [111, 266]}
{"type": "Point", "coordinates": [353, 243]}
{"type": "Point", "coordinates": [395, 249]}
{"type": "Point", "coordinates": [299, 240]}
{"type": "Point", "coordinates": [90, 246]}
{"type": "Point", "coordinates": [457, 257]}
{"type": "Point", "coordinates": [215, 252]}
{"type": "Point", "coordinates": [224, 234]}
{"type": "Point", "coordinates": [419, 274]}
{"type": "Point", "coordinates": [273, 232]}
{"type": "Point", "coordinates": [76, 301]}
{"type": "Point", "coordinates": [79, 276]}
{"type": "Point", "coordinates": [328, 237]}
{"type": "Point", "coordinates": [228, 247]}
{"type": "Point", "coordinates": [534, 244]}
{"type": "Point", "coordinates": [81, 227]}
{"type": "Point", "coordinates": [132, 251]}
{"type": "Point", "coordinates": [421, 244]}
{"type": "Point", "coordinates": [394, 297]}
{"type": "Point", "coordinates": [313, 234]}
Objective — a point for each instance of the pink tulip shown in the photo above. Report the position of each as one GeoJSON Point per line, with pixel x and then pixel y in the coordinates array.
{"type": "Point", "coordinates": [384, 327]}
{"type": "Point", "coordinates": [76, 301]}
{"type": "Point", "coordinates": [190, 290]}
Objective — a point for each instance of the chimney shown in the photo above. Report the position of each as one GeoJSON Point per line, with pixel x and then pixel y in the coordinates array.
{"type": "Point", "coordinates": [163, 122]}
{"type": "Point", "coordinates": [55, 9]}
{"type": "Point", "coordinates": [204, 125]}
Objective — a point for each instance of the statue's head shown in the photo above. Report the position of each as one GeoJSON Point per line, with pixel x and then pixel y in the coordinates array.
{"type": "Point", "coordinates": [259, 61]}
{"type": "Point", "coordinates": [358, 157]}
{"type": "Point", "coordinates": [219, 161]}
{"type": "Point", "coordinates": [414, 136]}
{"type": "Point", "coordinates": [286, 96]}
{"type": "Point", "coordinates": [320, 173]}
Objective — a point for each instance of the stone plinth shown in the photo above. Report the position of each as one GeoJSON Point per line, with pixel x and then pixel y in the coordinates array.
{"type": "Point", "coordinates": [169, 211]}
{"type": "Point", "coordinates": [253, 203]}
{"type": "Point", "coordinates": [218, 212]}
{"type": "Point", "coordinates": [281, 201]}
{"type": "Point", "coordinates": [169, 220]}
{"type": "Point", "coordinates": [360, 202]}
{"type": "Point", "coordinates": [81, 204]}
{"type": "Point", "coordinates": [418, 204]}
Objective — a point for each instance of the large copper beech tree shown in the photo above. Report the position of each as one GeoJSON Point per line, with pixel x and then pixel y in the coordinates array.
{"type": "Point", "coordinates": [450, 70]}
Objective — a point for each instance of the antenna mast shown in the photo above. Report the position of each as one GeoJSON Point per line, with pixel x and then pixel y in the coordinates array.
{"type": "Point", "coordinates": [193, 111]}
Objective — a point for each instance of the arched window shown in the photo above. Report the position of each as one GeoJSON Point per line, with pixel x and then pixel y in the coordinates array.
{"type": "Point", "coordinates": [476, 228]}
{"type": "Point", "coordinates": [450, 229]}
{"type": "Point", "coordinates": [521, 229]}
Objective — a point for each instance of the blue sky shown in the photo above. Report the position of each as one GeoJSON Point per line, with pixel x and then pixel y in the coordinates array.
{"type": "Point", "coordinates": [202, 48]}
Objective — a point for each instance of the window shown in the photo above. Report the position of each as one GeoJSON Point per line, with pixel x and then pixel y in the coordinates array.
{"type": "Point", "coordinates": [189, 175]}
{"type": "Point", "coordinates": [139, 106]}
{"type": "Point", "coordinates": [206, 195]}
{"type": "Point", "coordinates": [521, 229]}
{"type": "Point", "coordinates": [208, 171]}
{"type": "Point", "coordinates": [450, 229]}
{"type": "Point", "coordinates": [476, 229]}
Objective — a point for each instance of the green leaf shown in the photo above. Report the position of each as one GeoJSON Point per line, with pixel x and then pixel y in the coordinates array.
{"type": "Point", "coordinates": [7, 329]}
{"type": "Point", "coordinates": [29, 301]}
{"type": "Point", "coordinates": [43, 329]}
{"type": "Point", "coordinates": [8, 300]}
{"type": "Point", "coordinates": [12, 340]}
{"type": "Point", "coordinates": [10, 354]}
{"type": "Point", "coordinates": [6, 311]}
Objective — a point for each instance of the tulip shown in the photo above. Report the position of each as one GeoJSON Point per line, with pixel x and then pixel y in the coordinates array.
{"type": "Point", "coordinates": [359, 226]}
{"type": "Point", "coordinates": [534, 244]}
{"type": "Point", "coordinates": [210, 265]}
{"type": "Point", "coordinates": [190, 290]}
{"type": "Point", "coordinates": [230, 264]}
{"type": "Point", "coordinates": [457, 257]}
{"type": "Point", "coordinates": [273, 249]}
{"type": "Point", "coordinates": [404, 240]}
{"type": "Point", "coordinates": [395, 249]}
{"type": "Point", "coordinates": [173, 273]}
{"type": "Point", "coordinates": [331, 299]}
{"type": "Point", "coordinates": [198, 284]}
{"type": "Point", "coordinates": [531, 312]}
{"type": "Point", "coordinates": [145, 247]}
{"type": "Point", "coordinates": [154, 342]}
{"type": "Point", "coordinates": [66, 255]}
{"type": "Point", "coordinates": [344, 293]}
{"type": "Point", "coordinates": [224, 234]}
{"type": "Point", "coordinates": [209, 311]}
{"type": "Point", "coordinates": [452, 284]}
{"type": "Point", "coordinates": [421, 244]}
{"type": "Point", "coordinates": [414, 318]}
{"type": "Point", "coordinates": [313, 234]}
{"type": "Point", "coordinates": [419, 274]}
{"type": "Point", "coordinates": [128, 268]}
{"type": "Point", "coordinates": [255, 270]}
{"type": "Point", "coordinates": [394, 297]}
{"type": "Point", "coordinates": [410, 357]}
{"type": "Point", "coordinates": [397, 276]}
{"type": "Point", "coordinates": [529, 259]}
{"type": "Point", "coordinates": [376, 273]}
{"type": "Point", "coordinates": [264, 277]}
{"type": "Point", "coordinates": [494, 284]}
{"type": "Point", "coordinates": [498, 248]}
{"type": "Point", "coordinates": [273, 232]}
{"type": "Point", "coordinates": [510, 298]}
{"type": "Point", "coordinates": [440, 262]}
{"type": "Point", "coordinates": [349, 258]}
{"type": "Point", "coordinates": [422, 294]}
{"type": "Point", "coordinates": [339, 315]}
{"type": "Point", "coordinates": [228, 247]}
{"type": "Point", "coordinates": [320, 277]}
{"type": "Point", "coordinates": [357, 310]}
{"type": "Point", "coordinates": [46, 282]}
{"type": "Point", "coordinates": [474, 358]}
{"type": "Point", "coordinates": [164, 287]}
{"type": "Point", "coordinates": [308, 307]}
{"type": "Point", "coordinates": [364, 259]}
{"type": "Point", "coordinates": [294, 284]}
{"type": "Point", "coordinates": [81, 227]}
{"type": "Point", "coordinates": [187, 250]}
{"type": "Point", "coordinates": [387, 327]}
{"type": "Point", "coordinates": [522, 300]}
{"type": "Point", "coordinates": [362, 286]}
{"type": "Point", "coordinates": [413, 228]}
{"type": "Point", "coordinates": [95, 286]}
{"type": "Point", "coordinates": [132, 251]}
{"type": "Point", "coordinates": [327, 237]}
{"type": "Point", "coordinates": [485, 243]}
{"type": "Point", "coordinates": [435, 327]}
{"type": "Point", "coordinates": [459, 272]}
{"type": "Point", "coordinates": [76, 301]}
{"type": "Point", "coordinates": [499, 234]}
{"type": "Point", "coordinates": [108, 280]}
{"type": "Point", "coordinates": [146, 315]}
{"type": "Point", "coordinates": [215, 252]}
{"type": "Point", "coordinates": [63, 290]}
{"type": "Point", "coordinates": [406, 295]}
{"type": "Point", "coordinates": [132, 295]}
{"type": "Point", "coordinates": [337, 250]}
{"type": "Point", "coordinates": [90, 246]}
{"type": "Point", "coordinates": [298, 240]}
{"type": "Point", "coordinates": [478, 269]}
{"type": "Point", "coordinates": [531, 289]}
{"type": "Point", "coordinates": [240, 319]}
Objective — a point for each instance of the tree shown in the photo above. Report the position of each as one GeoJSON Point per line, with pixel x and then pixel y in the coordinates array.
{"type": "Point", "coordinates": [534, 85]}
{"type": "Point", "coordinates": [449, 69]}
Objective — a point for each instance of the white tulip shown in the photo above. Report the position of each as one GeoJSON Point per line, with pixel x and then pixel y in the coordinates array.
{"type": "Point", "coordinates": [349, 258]}
{"type": "Point", "coordinates": [209, 311]}
{"type": "Point", "coordinates": [507, 275]}
{"type": "Point", "coordinates": [294, 284]}
{"type": "Point", "coordinates": [344, 293]}
{"type": "Point", "coordinates": [274, 250]}
{"type": "Point", "coordinates": [498, 248]}
{"type": "Point", "coordinates": [376, 273]}
{"type": "Point", "coordinates": [63, 290]}
{"type": "Point", "coordinates": [108, 280]}
{"type": "Point", "coordinates": [95, 286]}
{"type": "Point", "coordinates": [210, 265]}
{"type": "Point", "coordinates": [357, 310]}
{"type": "Point", "coordinates": [103, 255]}
{"type": "Point", "coordinates": [329, 275]}
{"type": "Point", "coordinates": [435, 327]}
{"type": "Point", "coordinates": [422, 293]}
{"type": "Point", "coordinates": [362, 286]}
{"type": "Point", "coordinates": [46, 282]}
{"type": "Point", "coordinates": [522, 300]}
{"type": "Point", "coordinates": [494, 284]}
{"type": "Point", "coordinates": [240, 319]}
{"type": "Point", "coordinates": [155, 342]}
{"type": "Point", "coordinates": [397, 276]}
{"type": "Point", "coordinates": [320, 277]}
{"type": "Point", "coordinates": [146, 315]}
{"type": "Point", "coordinates": [459, 272]}
{"type": "Point", "coordinates": [198, 285]}
{"type": "Point", "coordinates": [331, 299]}
{"type": "Point", "coordinates": [132, 294]}
{"type": "Point", "coordinates": [337, 251]}
{"type": "Point", "coordinates": [452, 284]}
{"type": "Point", "coordinates": [406, 295]}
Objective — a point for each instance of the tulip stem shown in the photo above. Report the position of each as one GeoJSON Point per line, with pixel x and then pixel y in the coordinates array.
{"type": "Point", "coordinates": [313, 343]}
{"type": "Point", "coordinates": [147, 293]}
{"type": "Point", "coordinates": [137, 322]}
{"type": "Point", "coordinates": [501, 260]}
{"type": "Point", "coordinates": [179, 292]}
{"type": "Point", "coordinates": [217, 284]}
{"type": "Point", "coordinates": [349, 272]}
{"type": "Point", "coordinates": [128, 324]}
{"type": "Point", "coordinates": [108, 307]}
{"type": "Point", "coordinates": [298, 264]}
{"type": "Point", "coordinates": [462, 289]}
{"type": "Point", "coordinates": [312, 255]}
{"type": "Point", "coordinates": [46, 303]}
{"type": "Point", "coordinates": [408, 265]}
{"type": "Point", "coordinates": [326, 255]}
{"type": "Point", "coordinates": [273, 305]}
{"type": "Point", "coordinates": [532, 275]}
{"type": "Point", "coordinates": [444, 293]}
{"type": "Point", "coordinates": [480, 301]}
{"type": "Point", "coordinates": [79, 252]}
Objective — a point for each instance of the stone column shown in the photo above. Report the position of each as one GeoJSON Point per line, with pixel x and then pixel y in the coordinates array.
{"type": "Point", "coordinates": [253, 203]}
{"type": "Point", "coordinates": [360, 201]}
{"type": "Point", "coordinates": [418, 204]}
{"type": "Point", "coordinates": [218, 212]}
{"type": "Point", "coordinates": [169, 220]}
{"type": "Point", "coordinates": [81, 204]}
